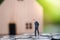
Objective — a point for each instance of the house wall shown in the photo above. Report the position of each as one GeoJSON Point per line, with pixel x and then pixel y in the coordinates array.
{"type": "Point", "coordinates": [20, 12]}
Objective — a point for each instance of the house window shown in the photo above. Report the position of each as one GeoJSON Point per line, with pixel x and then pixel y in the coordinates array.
{"type": "Point", "coordinates": [26, 25]}
{"type": "Point", "coordinates": [30, 25]}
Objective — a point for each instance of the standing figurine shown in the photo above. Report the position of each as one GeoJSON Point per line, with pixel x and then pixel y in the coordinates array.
{"type": "Point", "coordinates": [36, 27]}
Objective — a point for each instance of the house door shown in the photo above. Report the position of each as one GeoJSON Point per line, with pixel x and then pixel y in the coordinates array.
{"type": "Point", "coordinates": [12, 29]}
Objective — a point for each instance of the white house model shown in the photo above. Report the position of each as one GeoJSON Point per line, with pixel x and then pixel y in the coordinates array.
{"type": "Point", "coordinates": [20, 12]}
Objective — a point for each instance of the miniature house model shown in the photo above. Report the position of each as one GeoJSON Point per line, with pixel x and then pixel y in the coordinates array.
{"type": "Point", "coordinates": [19, 16]}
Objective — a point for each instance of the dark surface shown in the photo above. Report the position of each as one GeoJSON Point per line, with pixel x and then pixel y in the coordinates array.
{"type": "Point", "coordinates": [55, 39]}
